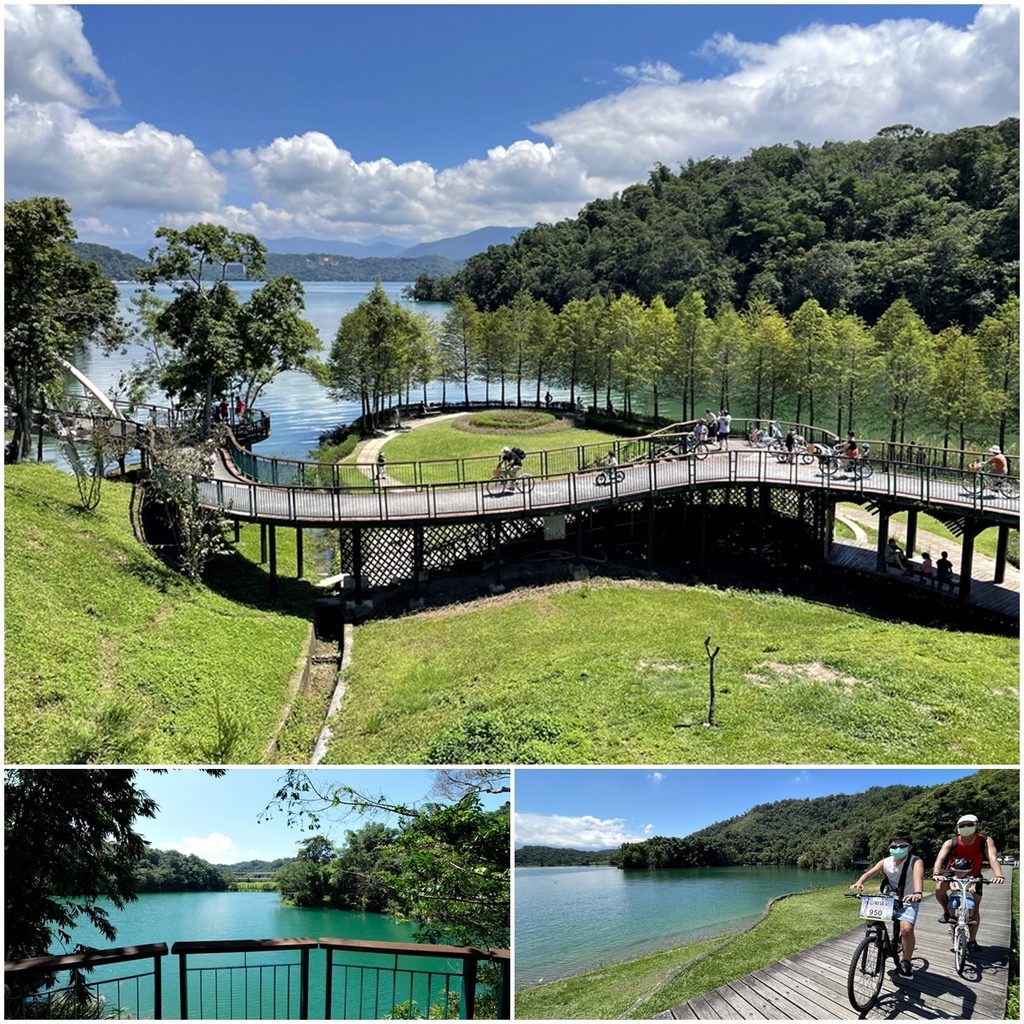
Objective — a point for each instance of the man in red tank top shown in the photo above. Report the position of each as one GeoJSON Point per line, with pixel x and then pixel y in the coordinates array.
{"type": "Point", "coordinates": [965, 855]}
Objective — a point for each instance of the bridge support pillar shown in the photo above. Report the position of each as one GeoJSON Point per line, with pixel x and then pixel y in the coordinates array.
{"type": "Point", "coordinates": [357, 562]}
{"type": "Point", "coordinates": [971, 530]}
{"type": "Point", "coordinates": [1002, 540]}
{"type": "Point", "coordinates": [911, 532]}
{"type": "Point", "coordinates": [299, 559]}
{"type": "Point", "coordinates": [263, 543]}
{"type": "Point", "coordinates": [272, 531]}
{"type": "Point", "coordinates": [238, 530]}
{"type": "Point", "coordinates": [649, 510]}
{"type": "Point", "coordinates": [883, 538]}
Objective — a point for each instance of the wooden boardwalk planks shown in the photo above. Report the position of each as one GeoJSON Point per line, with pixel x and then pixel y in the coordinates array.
{"type": "Point", "coordinates": [811, 984]}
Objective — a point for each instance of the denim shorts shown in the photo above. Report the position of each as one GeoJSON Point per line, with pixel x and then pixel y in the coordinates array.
{"type": "Point", "coordinates": [907, 912]}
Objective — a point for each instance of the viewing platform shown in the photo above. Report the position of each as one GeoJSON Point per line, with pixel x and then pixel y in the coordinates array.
{"type": "Point", "coordinates": [269, 979]}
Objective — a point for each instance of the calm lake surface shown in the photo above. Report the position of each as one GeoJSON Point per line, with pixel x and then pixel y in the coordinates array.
{"type": "Point", "coordinates": [300, 409]}
{"type": "Point", "coordinates": [172, 917]}
{"type": "Point", "coordinates": [574, 919]}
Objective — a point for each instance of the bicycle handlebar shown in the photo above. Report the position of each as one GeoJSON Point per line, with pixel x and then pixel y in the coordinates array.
{"type": "Point", "coordinates": [868, 895]}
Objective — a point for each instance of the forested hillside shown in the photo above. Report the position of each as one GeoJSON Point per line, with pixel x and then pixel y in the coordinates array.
{"type": "Point", "coordinates": [930, 218]}
{"type": "Point", "coordinates": [839, 831]}
{"type": "Point", "coordinates": [171, 871]}
{"type": "Point", "coordinates": [553, 856]}
{"type": "Point", "coordinates": [120, 266]}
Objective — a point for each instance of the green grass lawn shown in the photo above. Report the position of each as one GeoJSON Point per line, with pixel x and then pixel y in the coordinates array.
{"type": "Point", "coordinates": [612, 673]}
{"type": "Point", "coordinates": [110, 657]}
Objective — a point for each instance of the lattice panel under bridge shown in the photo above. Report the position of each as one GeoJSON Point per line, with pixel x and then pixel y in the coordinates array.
{"type": "Point", "coordinates": [389, 554]}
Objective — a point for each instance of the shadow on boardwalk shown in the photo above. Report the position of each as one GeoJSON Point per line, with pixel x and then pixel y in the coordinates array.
{"type": "Point", "coordinates": [811, 985]}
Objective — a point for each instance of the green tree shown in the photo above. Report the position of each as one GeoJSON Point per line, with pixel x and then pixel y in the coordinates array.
{"type": "Point", "coordinates": [999, 342]}
{"type": "Point", "coordinates": [272, 336]}
{"type": "Point", "coordinates": [907, 351]}
{"type": "Point", "coordinates": [767, 359]}
{"type": "Point", "coordinates": [854, 359]}
{"type": "Point", "coordinates": [201, 319]}
{"type": "Point", "coordinates": [815, 344]}
{"type": "Point", "coordinates": [70, 839]}
{"type": "Point", "coordinates": [959, 392]}
{"type": "Point", "coordinates": [53, 301]}
{"type": "Point", "coordinates": [693, 344]}
{"type": "Point", "coordinates": [448, 866]}
{"type": "Point", "coordinates": [371, 354]}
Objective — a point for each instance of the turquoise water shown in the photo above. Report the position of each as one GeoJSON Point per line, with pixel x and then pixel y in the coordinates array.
{"type": "Point", "coordinates": [571, 920]}
{"type": "Point", "coordinates": [172, 917]}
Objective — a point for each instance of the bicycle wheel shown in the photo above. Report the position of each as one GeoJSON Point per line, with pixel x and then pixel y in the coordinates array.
{"type": "Point", "coordinates": [525, 481]}
{"type": "Point", "coordinates": [808, 458]}
{"type": "Point", "coordinates": [829, 466]}
{"type": "Point", "coordinates": [1008, 488]}
{"type": "Point", "coordinates": [496, 487]}
{"type": "Point", "coordinates": [865, 469]}
{"type": "Point", "coordinates": [602, 478]}
{"type": "Point", "coordinates": [867, 969]}
{"type": "Point", "coordinates": [700, 451]}
{"type": "Point", "coordinates": [959, 949]}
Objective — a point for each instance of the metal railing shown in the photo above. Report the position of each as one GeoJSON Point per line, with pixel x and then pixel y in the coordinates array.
{"type": "Point", "coordinates": [558, 487]}
{"type": "Point", "coordinates": [268, 979]}
{"type": "Point", "coordinates": [139, 994]}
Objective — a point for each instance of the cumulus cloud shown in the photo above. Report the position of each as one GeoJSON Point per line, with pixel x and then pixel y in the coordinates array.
{"type": "Point", "coordinates": [580, 833]}
{"type": "Point", "coordinates": [216, 847]}
{"type": "Point", "coordinates": [47, 58]}
{"type": "Point", "coordinates": [656, 777]}
{"type": "Point", "coordinates": [822, 82]}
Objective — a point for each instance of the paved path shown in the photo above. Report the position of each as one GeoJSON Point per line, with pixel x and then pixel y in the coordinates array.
{"type": "Point", "coordinates": [811, 985]}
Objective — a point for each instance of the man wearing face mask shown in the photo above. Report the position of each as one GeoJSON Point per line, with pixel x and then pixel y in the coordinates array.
{"type": "Point", "coordinates": [964, 855]}
{"type": "Point", "coordinates": [904, 873]}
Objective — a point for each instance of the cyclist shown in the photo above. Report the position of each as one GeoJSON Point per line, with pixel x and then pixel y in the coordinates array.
{"type": "Point", "coordinates": [510, 462]}
{"type": "Point", "coordinates": [895, 868]}
{"type": "Point", "coordinates": [963, 855]}
{"type": "Point", "coordinates": [851, 452]}
{"type": "Point", "coordinates": [611, 460]}
{"type": "Point", "coordinates": [996, 466]}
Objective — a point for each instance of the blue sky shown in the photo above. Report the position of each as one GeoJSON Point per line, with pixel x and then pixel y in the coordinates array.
{"type": "Point", "coordinates": [599, 808]}
{"type": "Point", "coordinates": [218, 818]}
{"type": "Point", "coordinates": [415, 122]}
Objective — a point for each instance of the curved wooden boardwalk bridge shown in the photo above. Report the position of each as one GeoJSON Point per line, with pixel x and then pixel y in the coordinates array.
{"type": "Point", "coordinates": [811, 985]}
{"type": "Point", "coordinates": [433, 515]}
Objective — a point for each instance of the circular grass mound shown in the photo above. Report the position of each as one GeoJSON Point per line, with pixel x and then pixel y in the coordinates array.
{"type": "Point", "coordinates": [501, 421]}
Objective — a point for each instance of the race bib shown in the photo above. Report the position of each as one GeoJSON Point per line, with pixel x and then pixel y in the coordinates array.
{"type": "Point", "coordinates": [877, 908]}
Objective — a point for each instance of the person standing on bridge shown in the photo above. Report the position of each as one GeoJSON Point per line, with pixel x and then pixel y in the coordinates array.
{"type": "Point", "coordinates": [724, 426]}
{"type": "Point", "coordinates": [963, 855]}
{"type": "Point", "coordinates": [711, 422]}
{"type": "Point", "coordinates": [904, 875]}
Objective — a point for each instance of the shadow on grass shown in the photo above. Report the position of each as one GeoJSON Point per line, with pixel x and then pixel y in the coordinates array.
{"type": "Point", "coordinates": [236, 578]}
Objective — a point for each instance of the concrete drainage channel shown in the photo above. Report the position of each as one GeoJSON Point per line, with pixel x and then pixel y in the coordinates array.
{"type": "Point", "coordinates": [339, 692]}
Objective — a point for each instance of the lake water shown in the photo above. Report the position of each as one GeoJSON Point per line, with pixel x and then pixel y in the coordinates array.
{"type": "Point", "coordinates": [574, 919]}
{"type": "Point", "coordinates": [300, 409]}
{"type": "Point", "coordinates": [170, 917]}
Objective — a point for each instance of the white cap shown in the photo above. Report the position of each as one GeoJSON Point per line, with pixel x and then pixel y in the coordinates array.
{"type": "Point", "coordinates": [968, 819]}
{"type": "Point", "coordinates": [996, 450]}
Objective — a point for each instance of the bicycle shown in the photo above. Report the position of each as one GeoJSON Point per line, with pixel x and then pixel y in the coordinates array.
{"type": "Point", "coordinates": [505, 483]}
{"type": "Point", "coordinates": [834, 462]}
{"type": "Point", "coordinates": [962, 902]}
{"type": "Point", "coordinates": [610, 475]}
{"type": "Point", "coordinates": [867, 966]}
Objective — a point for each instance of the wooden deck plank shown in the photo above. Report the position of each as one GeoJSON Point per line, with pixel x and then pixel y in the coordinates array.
{"type": "Point", "coordinates": [811, 984]}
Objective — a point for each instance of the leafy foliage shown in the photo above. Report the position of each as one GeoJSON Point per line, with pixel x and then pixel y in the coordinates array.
{"type": "Point", "coordinates": [52, 301]}
{"type": "Point", "coordinates": [171, 871]}
{"type": "Point", "coordinates": [445, 866]}
{"type": "Point", "coordinates": [932, 218]}
{"type": "Point", "coordinates": [841, 830]}
{"type": "Point", "coordinates": [551, 856]}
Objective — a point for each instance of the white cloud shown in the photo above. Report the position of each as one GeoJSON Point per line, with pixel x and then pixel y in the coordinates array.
{"type": "Point", "coordinates": [819, 83]}
{"type": "Point", "coordinates": [656, 777]}
{"type": "Point", "coordinates": [216, 847]}
{"type": "Point", "coordinates": [47, 58]}
{"type": "Point", "coordinates": [580, 833]}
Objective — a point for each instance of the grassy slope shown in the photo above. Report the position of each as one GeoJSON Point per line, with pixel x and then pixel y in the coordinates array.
{"type": "Point", "coordinates": [112, 658]}
{"type": "Point", "coordinates": [617, 673]}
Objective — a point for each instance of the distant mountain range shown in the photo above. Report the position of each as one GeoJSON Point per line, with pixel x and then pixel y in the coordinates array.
{"type": "Point", "coordinates": [312, 259]}
{"type": "Point", "coordinates": [458, 247]}
{"type": "Point", "coordinates": [556, 856]}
